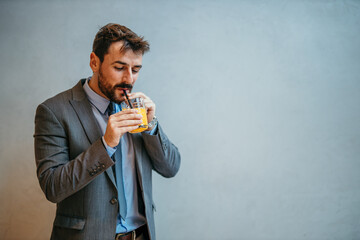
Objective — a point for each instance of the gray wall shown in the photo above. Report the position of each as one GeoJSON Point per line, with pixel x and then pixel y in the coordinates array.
{"type": "Point", "coordinates": [261, 97]}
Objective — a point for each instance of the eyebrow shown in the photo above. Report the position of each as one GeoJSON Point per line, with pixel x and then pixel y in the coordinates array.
{"type": "Point", "coordinates": [126, 64]}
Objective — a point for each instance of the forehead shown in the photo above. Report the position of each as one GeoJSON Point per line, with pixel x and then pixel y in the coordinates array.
{"type": "Point", "coordinates": [115, 53]}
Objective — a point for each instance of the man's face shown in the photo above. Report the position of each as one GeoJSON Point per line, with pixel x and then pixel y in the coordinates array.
{"type": "Point", "coordinates": [118, 72]}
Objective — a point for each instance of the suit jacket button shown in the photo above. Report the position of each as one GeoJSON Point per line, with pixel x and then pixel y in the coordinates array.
{"type": "Point", "coordinates": [114, 201]}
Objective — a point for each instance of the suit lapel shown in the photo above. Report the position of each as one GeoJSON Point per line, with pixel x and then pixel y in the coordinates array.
{"type": "Point", "coordinates": [82, 107]}
{"type": "Point", "coordinates": [87, 119]}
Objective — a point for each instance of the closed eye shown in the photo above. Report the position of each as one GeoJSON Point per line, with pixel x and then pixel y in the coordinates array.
{"type": "Point", "coordinates": [136, 68]}
{"type": "Point", "coordinates": [119, 69]}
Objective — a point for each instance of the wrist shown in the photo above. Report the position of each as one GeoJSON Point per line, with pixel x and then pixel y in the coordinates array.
{"type": "Point", "coordinates": [109, 143]}
{"type": "Point", "coordinates": [152, 123]}
{"type": "Point", "coordinates": [109, 150]}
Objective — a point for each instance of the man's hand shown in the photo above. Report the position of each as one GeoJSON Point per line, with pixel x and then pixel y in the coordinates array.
{"type": "Point", "coordinates": [149, 105]}
{"type": "Point", "coordinates": [120, 123]}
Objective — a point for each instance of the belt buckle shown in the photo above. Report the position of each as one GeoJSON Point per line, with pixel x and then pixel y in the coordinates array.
{"type": "Point", "coordinates": [120, 235]}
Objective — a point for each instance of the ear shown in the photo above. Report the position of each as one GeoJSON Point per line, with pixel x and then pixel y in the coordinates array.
{"type": "Point", "coordinates": [94, 62]}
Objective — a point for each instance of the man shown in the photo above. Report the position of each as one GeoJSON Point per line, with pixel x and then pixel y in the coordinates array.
{"type": "Point", "coordinates": [99, 174]}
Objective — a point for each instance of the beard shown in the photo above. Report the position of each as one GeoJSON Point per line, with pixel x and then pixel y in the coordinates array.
{"type": "Point", "coordinates": [110, 91]}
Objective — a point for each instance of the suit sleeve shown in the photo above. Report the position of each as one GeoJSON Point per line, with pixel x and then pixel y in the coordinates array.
{"type": "Point", "coordinates": [59, 176]}
{"type": "Point", "coordinates": [164, 155]}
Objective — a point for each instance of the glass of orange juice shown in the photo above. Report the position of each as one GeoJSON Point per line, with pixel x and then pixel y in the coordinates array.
{"type": "Point", "coordinates": [138, 104]}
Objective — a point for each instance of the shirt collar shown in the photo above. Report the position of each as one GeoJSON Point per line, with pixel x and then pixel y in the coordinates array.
{"type": "Point", "coordinates": [95, 99]}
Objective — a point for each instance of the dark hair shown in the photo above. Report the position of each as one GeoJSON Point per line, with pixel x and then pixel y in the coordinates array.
{"type": "Point", "coordinates": [113, 32]}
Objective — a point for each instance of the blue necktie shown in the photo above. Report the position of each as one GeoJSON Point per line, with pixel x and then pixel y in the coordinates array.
{"type": "Point", "coordinates": [118, 171]}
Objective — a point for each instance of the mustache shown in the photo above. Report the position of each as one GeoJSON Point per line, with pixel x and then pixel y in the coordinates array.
{"type": "Point", "coordinates": [124, 85]}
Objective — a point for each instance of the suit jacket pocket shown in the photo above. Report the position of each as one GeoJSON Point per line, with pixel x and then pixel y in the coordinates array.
{"type": "Point", "coordinates": [69, 222]}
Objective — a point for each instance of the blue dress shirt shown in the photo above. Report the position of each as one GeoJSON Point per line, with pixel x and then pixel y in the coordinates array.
{"type": "Point", "coordinates": [134, 218]}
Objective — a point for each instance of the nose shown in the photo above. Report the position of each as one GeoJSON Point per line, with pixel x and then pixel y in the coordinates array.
{"type": "Point", "coordinates": [128, 76]}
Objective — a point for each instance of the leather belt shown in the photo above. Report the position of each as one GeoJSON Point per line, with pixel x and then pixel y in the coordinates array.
{"type": "Point", "coordinates": [131, 235]}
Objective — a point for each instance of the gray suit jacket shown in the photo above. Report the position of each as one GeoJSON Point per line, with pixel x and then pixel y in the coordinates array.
{"type": "Point", "coordinates": [74, 169]}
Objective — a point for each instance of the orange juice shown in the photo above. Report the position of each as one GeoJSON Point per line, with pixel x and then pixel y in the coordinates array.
{"type": "Point", "coordinates": [144, 125]}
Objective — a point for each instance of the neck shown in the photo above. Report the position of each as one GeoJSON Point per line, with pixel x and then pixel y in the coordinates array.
{"type": "Point", "coordinates": [93, 84]}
